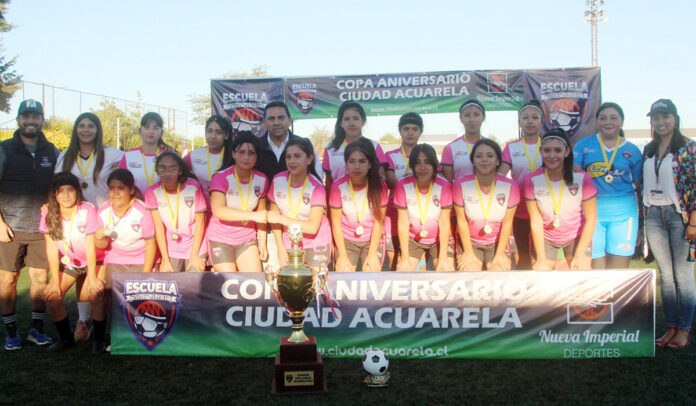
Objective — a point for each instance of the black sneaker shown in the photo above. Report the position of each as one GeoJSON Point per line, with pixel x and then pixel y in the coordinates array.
{"type": "Point", "coordinates": [61, 345]}
{"type": "Point", "coordinates": [98, 347]}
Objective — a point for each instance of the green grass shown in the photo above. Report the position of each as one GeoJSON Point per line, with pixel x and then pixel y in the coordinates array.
{"type": "Point", "coordinates": [34, 376]}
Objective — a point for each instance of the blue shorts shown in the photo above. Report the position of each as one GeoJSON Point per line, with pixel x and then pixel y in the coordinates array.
{"type": "Point", "coordinates": [617, 227]}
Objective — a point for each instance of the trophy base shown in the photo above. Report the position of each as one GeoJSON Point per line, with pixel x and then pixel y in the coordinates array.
{"type": "Point", "coordinates": [299, 369]}
{"type": "Point", "coordinates": [377, 381]}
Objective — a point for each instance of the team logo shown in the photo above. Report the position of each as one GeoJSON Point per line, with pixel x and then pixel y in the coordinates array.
{"type": "Point", "coordinates": [217, 251]}
{"type": "Point", "coordinates": [627, 154]}
{"type": "Point", "coordinates": [81, 227]}
{"type": "Point", "coordinates": [568, 114]}
{"type": "Point", "coordinates": [246, 119]}
{"type": "Point", "coordinates": [500, 198]}
{"type": "Point", "coordinates": [134, 165]}
{"type": "Point", "coordinates": [459, 153]}
{"type": "Point", "coordinates": [305, 198]}
{"type": "Point", "coordinates": [198, 161]}
{"type": "Point", "coordinates": [436, 201]}
{"type": "Point", "coordinates": [188, 200]}
{"type": "Point", "coordinates": [470, 199]}
{"type": "Point", "coordinates": [573, 189]}
{"type": "Point", "coordinates": [45, 163]}
{"type": "Point", "coordinates": [540, 193]}
{"type": "Point", "coordinates": [135, 227]}
{"type": "Point", "coordinates": [304, 95]}
{"type": "Point", "coordinates": [591, 307]}
{"type": "Point", "coordinates": [280, 195]}
{"type": "Point", "coordinates": [497, 82]}
{"type": "Point", "coordinates": [518, 154]}
{"type": "Point", "coordinates": [150, 309]}
{"type": "Point", "coordinates": [597, 169]}
{"type": "Point", "coordinates": [257, 190]}
{"type": "Point", "coordinates": [232, 192]}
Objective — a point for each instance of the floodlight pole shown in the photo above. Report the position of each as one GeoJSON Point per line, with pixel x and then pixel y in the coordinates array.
{"type": "Point", "coordinates": [594, 15]}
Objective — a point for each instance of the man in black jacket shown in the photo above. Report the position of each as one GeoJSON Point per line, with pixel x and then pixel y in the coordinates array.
{"type": "Point", "coordinates": [27, 161]}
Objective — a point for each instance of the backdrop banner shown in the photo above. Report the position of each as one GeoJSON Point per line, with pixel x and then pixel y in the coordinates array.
{"type": "Point", "coordinates": [563, 314]}
{"type": "Point", "coordinates": [242, 101]}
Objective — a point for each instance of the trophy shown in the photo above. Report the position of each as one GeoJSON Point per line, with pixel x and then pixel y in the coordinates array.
{"type": "Point", "coordinates": [299, 367]}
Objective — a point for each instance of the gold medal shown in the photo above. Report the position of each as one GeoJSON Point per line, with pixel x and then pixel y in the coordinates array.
{"type": "Point", "coordinates": [176, 237]}
{"type": "Point", "coordinates": [608, 178]}
{"type": "Point", "coordinates": [487, 229]}
{"type": "Point", "coordinates": [84, 185]}
{"type": "Point", "coordinates": [244, 203]}
{"type": "Point", "coordinates": [423, 233]}
{"type": "Point", "coordinates": [556, 222]}
{"type": "Point", "coordinates": [113, 235]}
{"type": "Point", "coordinates": [485, 211]}
{"type": "Point", "coordinates": [556, 203]}
{"type": "Point", "coordinates": [65, 260]}
{"type": "Point", "coordinates": [608, 161]}
{"type": "Point", "coordinates": [359, 230]}
{"type": "Point", "coordinates": [173, 214]}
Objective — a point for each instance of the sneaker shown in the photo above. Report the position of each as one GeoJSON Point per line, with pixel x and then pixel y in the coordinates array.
{"type": "Point", "coordinates": [38, 338]}
{"type": "Point", "coordinates": [98, 347]}
{"type": "Point", "coordinates": [61, 345]}
{"type": "Point", "coordinates": [13, 343]}
{"type": "Point", "coordinates": [83, 330]}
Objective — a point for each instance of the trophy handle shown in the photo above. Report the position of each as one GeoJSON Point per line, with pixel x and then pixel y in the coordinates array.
{"type": "Point", "coordinates": [272, 278]}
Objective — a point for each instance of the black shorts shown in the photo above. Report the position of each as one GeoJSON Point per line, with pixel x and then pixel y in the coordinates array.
{"type": "Point", "coordinates": [25, 249]}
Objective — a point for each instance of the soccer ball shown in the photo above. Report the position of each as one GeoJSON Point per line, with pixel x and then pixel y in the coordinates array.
{"type": "Point", "coordinates": [150, 326]}
{"type": "Point", "coordinates": [375, 362]}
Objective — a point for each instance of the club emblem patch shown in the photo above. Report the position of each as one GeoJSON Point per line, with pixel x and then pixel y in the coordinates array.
{"type": "Point", "coordinates": [150, 308]}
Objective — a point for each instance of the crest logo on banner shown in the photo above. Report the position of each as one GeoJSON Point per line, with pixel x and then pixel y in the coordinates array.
{"type": "Point", "coordinates": [246, 119]}
{"type": "Point", "coordinates": [304, 95]}
{"type": "Point", "coordinates": [568, 114]}
{"type": "Point", "coordinates": [497, 82]}
{"type": "Point", "coordinates": [150, 309]}
{"type": "Point", "coordinates": [584, 309]}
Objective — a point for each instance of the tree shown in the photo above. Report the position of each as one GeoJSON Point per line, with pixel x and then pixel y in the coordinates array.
{"type": "Point", "coordinates": [389, 139]}
{"type": "Point", "coordinates": [200, 102]}
{"type": "Point", "coordinates": [9, 79]}
{"type": "Point", "coordinates": [320, 138]}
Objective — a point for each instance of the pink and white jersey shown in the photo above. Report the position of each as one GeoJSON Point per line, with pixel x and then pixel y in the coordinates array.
{"type": "Point", "coordinates": [570, 213]}
{"type": "Point", "coordinates": [405, 198]}
{"type": "Point", "coordinates": [335, 164]}
{"type": "Point", "coordinates": [234, 232]}
{"type": "Point", "coordinates": [191, 201]}
{"type": "Point", "coordinates": [95, 193]}
{"type": "Point", "coordinates": [340, 198]}
{"type": "Point", "coordinates": [505, 195]}
{"type": "Point", "coordinates": [84, 223]}
{"type": "Point", "coordinates": [397, 163]}
{"type": "Point", "coordinates": [314, 195]}
{"type": "Point", "coordinates": [197, 162]}
{"type": "Point", "coordinates": [128, 248]}
{"type": "Point", "coordinates": [137, 163]}
{"type": "Point", "coordinates": [456, 155]}
{"type": "Point", "coordinates": [514, 154]}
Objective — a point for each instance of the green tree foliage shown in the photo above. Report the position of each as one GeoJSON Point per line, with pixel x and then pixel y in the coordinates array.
{"type": "Point", "coordinates": [200, 102]}
{"type": "Point", "coordinates": [9, 79]}
{"type": "Point", "coordinates": [390, 139]}
{"type": "Point", "coordinates": [320, 138]}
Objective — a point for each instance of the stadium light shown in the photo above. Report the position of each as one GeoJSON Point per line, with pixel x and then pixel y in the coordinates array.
{"type": "Point", "coordinates": [594, 15]}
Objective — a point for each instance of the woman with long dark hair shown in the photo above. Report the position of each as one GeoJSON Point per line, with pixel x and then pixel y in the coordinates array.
{"type": "Point", "coordinates": [616, 168]}
{"type": "Point", "coordinates": [456, 161]}
{"type": "Point", "coordinates": [561, 204]}
{"type": "Point", "coordinates": [69, 225]}
{"type": "Point", "coordinates": [358, 203]}
{"type": "Point", "coordinates": [178, 211]}
{"type": "Point", "coordinates": [669, 197]}
{"type": "Point", "coordinates": [485, 204]}
{"type": "Point", "coordinates": [206, 161]}
{"type": "Point", "coordinates": [237, 230]}
{"type": "Point", "coordinates": [298, 197]}
{"type": "Point", "coordinates": [141, 161]}
{"type": "Point", "coordinates": [424, 201]}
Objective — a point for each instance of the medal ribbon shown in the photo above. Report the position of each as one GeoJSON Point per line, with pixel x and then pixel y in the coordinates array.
{"type": "Point", "coordinates": [113, 224]}
{"type": "Point", "coordinates": [89, 162]}
{"type": "Point", "coordinates": [217, 165]}
{"type": "Point", "coordinates": [245, 204]}
{"type": "Point", "coordinates": [556, 205]}
{"type": "Point", "coordinates": [423, 214]}
{"type": "Point", "coordinates": [536, 154]}
{"type": "Point", "coordinates": [293, 213]}
{"type": "Point", "coordinates": [403, 153]}
{"type": "Point", "coordinates": [67, 244]}
{"type": "Point", "coordinates": [150, 178]}
{"type": "Point", "coordinates": [486, 212]}
{"type": "Point", "coordinates": [364, 202]}
{"type": "Point", "coordinates": [604, 153]}
{"type": "Point", "coordinates": [173, 214]}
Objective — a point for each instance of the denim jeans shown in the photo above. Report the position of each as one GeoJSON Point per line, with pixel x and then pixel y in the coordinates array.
{"type": "Point", "coordinates": [665, 231]}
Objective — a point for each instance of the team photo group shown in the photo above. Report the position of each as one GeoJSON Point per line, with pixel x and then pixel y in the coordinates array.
{"type": "Point", "coordinates": [75, 217]}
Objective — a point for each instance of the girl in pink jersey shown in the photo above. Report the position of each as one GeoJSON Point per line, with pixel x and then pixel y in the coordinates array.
{"type": "Point", "coordinates": [141, 161]}
{"type": "Point", "coordinates": [69, 225]}
{"type": "Point", "coordinates": [350, 121]}
{"type": "Point", "coordinates": [178, 211]}
{"type": "Point", "coordinates": [522, 157]}
{"type": "Point", "coordinates": [207, 161]}
{"type": "Point", "coordinates": [358, 204]}
{"type": "Point", "coordinates": [456, 161]}
{"type": "Point", "coordinates": [485, 204]}
{"type": "Point", "coordinates": [237, 230]}
{"type": "Point", "coordinates": [424, 201]}
{"type": "Point", "coordinates": [410, 130]}
{"type": "Point", "coordinates": [561, 204]}
{"type": "Point", "coordinates": [298, 197]}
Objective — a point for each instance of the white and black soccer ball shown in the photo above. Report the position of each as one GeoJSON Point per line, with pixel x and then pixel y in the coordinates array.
{"type": "Point", "coordinates": [150, 326]}
{"type": "Point", "coordinates": [567, 120]}
{"type": "Point", "coordinates": [375, 362]}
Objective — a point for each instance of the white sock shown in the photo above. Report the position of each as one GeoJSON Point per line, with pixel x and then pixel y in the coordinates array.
{"type": "Point", "coordinates": [84, 309]}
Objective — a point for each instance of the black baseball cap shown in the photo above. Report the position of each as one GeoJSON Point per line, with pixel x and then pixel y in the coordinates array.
{"type": "Point", "coordinates": [30, 106]}
{"type": "Point", "coordinates": [663, 106]}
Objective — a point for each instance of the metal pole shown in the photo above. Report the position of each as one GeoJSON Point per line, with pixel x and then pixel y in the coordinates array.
{"type": "Point", "coordinates": [118, 132]}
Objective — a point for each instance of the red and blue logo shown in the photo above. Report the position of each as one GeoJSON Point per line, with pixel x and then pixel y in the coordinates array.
{"type": "Point", "coordinates": [150, 309]}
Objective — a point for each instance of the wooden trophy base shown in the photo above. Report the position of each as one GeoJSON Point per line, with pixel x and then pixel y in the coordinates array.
{"type": "Point", "coordinates": [299, 369]}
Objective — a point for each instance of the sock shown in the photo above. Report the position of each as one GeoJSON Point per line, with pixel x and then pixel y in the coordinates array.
{"type": "Point", "coordinates": [99, 330]}
{"type": "Point", "coordinates": [84, 309]}
{"type": "Point", "coordinates": [37, 320]}
{"type": "Point", "coordinates": [63, 327]}
{"type": "Point", "coordinates": [10, 321]}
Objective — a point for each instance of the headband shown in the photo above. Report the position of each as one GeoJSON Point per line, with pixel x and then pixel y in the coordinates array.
{"type": "Point", "coordinates": [472, 103]}
{"type": "Point", "coordinates": [535, 107]}
{"type": "Point", "coordinates": [555, 137]}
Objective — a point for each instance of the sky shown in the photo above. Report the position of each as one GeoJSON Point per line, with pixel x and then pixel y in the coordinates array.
{"type": "Point", "coordinates": [167, 50]}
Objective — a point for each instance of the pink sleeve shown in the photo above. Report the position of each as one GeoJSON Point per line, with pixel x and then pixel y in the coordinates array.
{"type": "Point", "coordinates": [123, 164]}
{"type": "Point", "coordinates": [528, 188]}
{"type": "Point", "coordinates": [400, 195]}
{"type": "Point", "coordinates": [380, 155]}
{"type": "Point", "coordinates": [264, 192]}
{"type": "Point", "coordinates": [318, 196]}
{"type": "Point", "coordinates": [270, 192]}
{"type": "Point", "coordinates": [335, 197]}
{"type": "Point", "coordinates": [187, 161]}
{"type": "Point", "coordinates": [150, 199]}
{"type": "Point", "coordinates": [147, 225]}
{"type": "Point", "coordinates": [43, 227]}
{"type": "Point", "coordinates": [446, 198]}
{"type": "Point", "coordinates": [201, 205]}
{"type": "Point", "coordinates": [506, 154]}
{"type": "Point", "coordinates": [588, 188]}
{"type": "Point", "coordinates": [457, 194]}
{"type": "Point", "coordinates": [219, 183]}
{"type": "Point", "coordinates": [325, 161]}
{"type": "Point", "coordinates": [514, 198]}
{"type": "Point", "coordinates": [92, 220]}
{"type": "Point", "coordinates": [385, 194]}
{"type": "Point", "coordinates": [99, 221]}
{"type": "Point", "coordinates": [447, 156]}
{"type": "Point", "coordinates": [390, 162]}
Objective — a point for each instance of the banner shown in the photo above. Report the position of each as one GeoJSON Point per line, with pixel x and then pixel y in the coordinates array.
{"type": "Point", "coordinates": [562, 314]}
{"type": "Point", "coordinates": [243, 100]}
{"type": "Point", "coordinates": [569, 98]}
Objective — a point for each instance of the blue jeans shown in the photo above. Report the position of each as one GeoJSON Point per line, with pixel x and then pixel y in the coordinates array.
{"type": "Point", "coordinates": [665, 231]}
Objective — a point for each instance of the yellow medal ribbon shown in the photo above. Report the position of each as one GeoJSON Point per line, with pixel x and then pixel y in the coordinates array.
{"type": "Point", "coordinates": [609, 162]}
{"type": "Point", "coordinates": [111, 212]}
{"type": "Point", "coordinates": [293, 213]}
{"type": "Point", "coordinates": [486, 212]}
{"type": "Point", "coordinates": [217, 165]}
{"type": "Point", "coordinates": [423, 214]}
{"type": "Point", "coordinates": [536, 154]}
{"type": "Point", "coordinates": [150, 178]}
{"type": "Point", "coordinates": [66, 241]}
{"type": "Point", "coordinates": [245, 204]}
{"type": "Point", "coordinates": [556, 205]}
{"type": "Point", "coordinates": [89, 162]}
{"type": "Point", "coordinates": [364, 202]}
{"type": "Point", "coordinates": [403, 153]}
{"type": "Point", "coordinates": [173, 214]}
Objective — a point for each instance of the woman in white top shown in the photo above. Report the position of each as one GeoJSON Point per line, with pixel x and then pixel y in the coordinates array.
{"type": "Point", "coordinates": [141, 161]}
